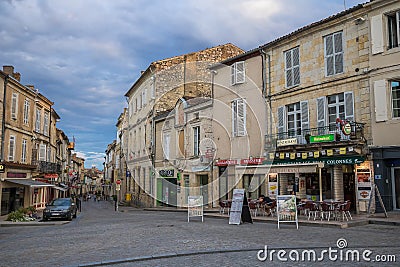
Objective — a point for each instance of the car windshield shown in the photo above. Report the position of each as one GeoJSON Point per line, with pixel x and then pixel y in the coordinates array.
{"type": "Point", "coordinates": [60, 202]}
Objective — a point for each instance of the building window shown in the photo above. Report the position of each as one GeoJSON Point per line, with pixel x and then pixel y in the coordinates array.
{"type": "Point", "coordinates": [23, 154]}
{"type": "Point", "coordinates": [11, 148]}
{"type": "Point", "coordinates": [38, 119]}
{"type": "Point", "coordinates": [394, 29]}
{"type": "Point", "coordinates": [196, 141]}
{"type": "Point", "coordinates": [46, 124]}
{"type": "Point", "coordinates": [238, 117]}
{"type": "Point", "coordinates": [335, 106]}
{"type": "Point", "coordinates": [166, 142]}
{"type": "Point", "coordinates": [48, 154]}
{"type": "Point", "coordinates": [14, 106]}
{"type": "Point", "coordinates": [27, 105]}
{"type": "Point", "coordinates": [293, 118]}
{"type": "Point", "coordinates": [144, 97]}
{"type": "Point", "coordinates": [333, 54]}
{"type": "Point", "coordinates": [292, 67]}
{"type": "Point", "coordinates": [395, 98]}
{"type": "Point", "coordinates": [238, 74]}
{"type": "Point", "coordinates": [42, 152]}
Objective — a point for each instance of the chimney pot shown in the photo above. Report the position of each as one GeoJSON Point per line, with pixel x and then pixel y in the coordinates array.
{"type": "Point", "coordinates": [17, 76]}
{"type": "Point", "coordinates": [8, 70]}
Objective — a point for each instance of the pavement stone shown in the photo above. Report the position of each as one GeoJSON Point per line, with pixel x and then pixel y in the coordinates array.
{"type": "Point", "coordinates": [100, 236]}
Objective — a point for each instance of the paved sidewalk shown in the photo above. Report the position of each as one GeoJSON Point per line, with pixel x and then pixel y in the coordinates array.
{"type": "Point", "coordinates": [358, 220]}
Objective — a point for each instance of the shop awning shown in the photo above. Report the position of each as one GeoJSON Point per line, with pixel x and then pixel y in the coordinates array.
{"type": "Point", "coordinates": [28, 182]}
{"type": "Point", "coordinates": [60, 188]}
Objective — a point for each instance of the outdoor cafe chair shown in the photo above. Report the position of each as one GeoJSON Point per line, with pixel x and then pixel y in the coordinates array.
{"type": "Point", "coordinates": [343, 210]}
{"type": "Point", "coordinates": [253, 208]}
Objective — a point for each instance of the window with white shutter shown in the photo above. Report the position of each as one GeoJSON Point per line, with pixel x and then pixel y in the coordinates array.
{"type": "Point", "coordinates": [46, 124]}
{"type": "Point", "coordinates": [38, 119]}
{"type": "Point", "coordinates": [11, 148]}
{"type": "Point", "coordinates": [333, 54]}
{"type": "Point", "coordinates": [196, 141]}
{"type": "Point", "coordinates": [239, 117]}
{"type": "Point", "coordinates": [27, 105]}
{"type": "Point", "coordinates": [395, 88]}
{"type": "Point", "coordinates": [292, 67]}
{"type": "Point", "coordinates": [238, 73]}
{"type": "Point", "coordinates": [166, 144]}
{"type": "Point", "coordinates": [24, 149]}
{"type": "Point", "coordinates": [321, 111]}
{"type": "Point", "coordinates": [14, 106]}
{"type": "Point", "coordinates": [42, 152]}
{"type": "Point", "coordinates": [281, 120]}
{"type": "Point", "coordinates": [376, 34]}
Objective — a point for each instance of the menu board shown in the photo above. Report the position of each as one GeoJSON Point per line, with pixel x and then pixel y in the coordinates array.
{"type": "Point", "coordinates": [364, 185]}
{"type": "Point", "coordinates": [237, 205]}
{"type": "Point", "coordinates": [287, 209]}
{"type": "Point", "coordinates": [195, 207]}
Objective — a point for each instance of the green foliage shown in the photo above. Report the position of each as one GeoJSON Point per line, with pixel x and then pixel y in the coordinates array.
{"type": "Point", "coordinates": [21, 215]}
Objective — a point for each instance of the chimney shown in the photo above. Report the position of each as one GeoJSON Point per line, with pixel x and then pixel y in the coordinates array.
{"type": "Point", "coordinates": [8, 70]}
{"type": "Point", "coordinates": [17, 76]}
{"type": "Point", "coordinates": [30, 86]}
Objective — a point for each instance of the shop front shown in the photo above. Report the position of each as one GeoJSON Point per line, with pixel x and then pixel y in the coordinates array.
{"type": "Point", "coordinates": [18, 193]}
{"type": "Point", "coordinates": [386, 167]}
{"type": "Point", "coordinates": [167, 187]}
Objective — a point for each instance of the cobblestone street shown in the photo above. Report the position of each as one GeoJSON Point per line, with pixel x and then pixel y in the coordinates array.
{"type": "Point", "coordinates": [135, 237]}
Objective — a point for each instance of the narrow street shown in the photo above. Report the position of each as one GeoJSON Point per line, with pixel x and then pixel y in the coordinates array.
{"type": "Point", "coordinates": [134, 237]}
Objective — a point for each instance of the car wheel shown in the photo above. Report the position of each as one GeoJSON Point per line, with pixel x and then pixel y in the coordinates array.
{"type": "Point", "coordinates": [69, 217]}
{"type": "Point", "coordinates": [75, 214]}
{"type": "Point", "coordinates": [45, 219]}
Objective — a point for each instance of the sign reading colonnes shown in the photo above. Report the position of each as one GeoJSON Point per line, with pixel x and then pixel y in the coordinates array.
{"type": "Point", "coordinates": [51, 175]}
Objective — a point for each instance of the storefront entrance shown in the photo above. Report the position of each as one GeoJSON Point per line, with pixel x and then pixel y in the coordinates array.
{"type": "Point", "coordinates": [204, 188]}
{"type": "Point", "coordinates": [396, 188]}
{"type": "Point", "coordinates": [167, 191]}
{"type": "Point", "coordinates": [12, 199]}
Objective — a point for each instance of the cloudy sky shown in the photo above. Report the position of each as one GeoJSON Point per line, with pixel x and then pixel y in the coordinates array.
{"type": "Point", "coordinates": [85, 54]}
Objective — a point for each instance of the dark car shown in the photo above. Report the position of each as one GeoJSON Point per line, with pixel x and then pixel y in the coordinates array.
{"type": "Point", "coordinates": [63, 208]}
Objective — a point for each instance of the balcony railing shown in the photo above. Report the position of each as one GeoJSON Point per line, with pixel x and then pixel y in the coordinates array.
{"type": "Point", "coordinates": [301, 137]}
{"type": "Point", "coordinates": [49, 167]}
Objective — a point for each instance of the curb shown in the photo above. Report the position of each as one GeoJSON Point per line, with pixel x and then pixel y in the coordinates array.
{"type": "Point", "coordinates": [19, 224]}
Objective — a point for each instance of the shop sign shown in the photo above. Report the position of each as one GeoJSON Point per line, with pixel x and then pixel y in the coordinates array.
{"type": "Point", "coordinates": [51, 175]}
{"type": "Point", "coordinates": [322, 138]}
{"type": "Point", "coordinates": [16, 175]}
{"type": "Point", "coordinates": [2, 168]}
{"type": "Point", "coordinates": [252, 161]}
{"type": "Point", "coordinates": [226, 162]}
{"type": "Point", "coordinates": [286, 142]}
{"type": "Point", "coordinates": [166, 173]}
{"type": "Point", "coordinates": [364, 193]}
{"type": "Point", "coordinates": [339, 161]}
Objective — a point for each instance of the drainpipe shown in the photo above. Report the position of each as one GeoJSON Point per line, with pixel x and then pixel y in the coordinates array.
{"type": "Point", "coordinates": [267, 94]}
{"type": "Point", "coordinates": [3, 123]}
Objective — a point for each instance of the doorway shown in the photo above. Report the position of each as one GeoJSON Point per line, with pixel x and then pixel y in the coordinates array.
{"type": "Point", "coordinates": [204, 188]}
{"type": "Point", "coordinates": [396, 188]}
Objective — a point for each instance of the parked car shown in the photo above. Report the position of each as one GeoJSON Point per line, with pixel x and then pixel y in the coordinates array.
{"type": "Point", "coordinates": [60, 208]}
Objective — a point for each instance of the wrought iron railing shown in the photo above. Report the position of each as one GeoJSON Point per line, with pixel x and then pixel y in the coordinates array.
{"type": "Point", "coordinates": [301, 137]}
{"type": "Point", "coordinates": [49, 167]}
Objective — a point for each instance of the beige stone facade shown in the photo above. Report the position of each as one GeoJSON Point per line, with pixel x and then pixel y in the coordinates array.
{"type": "Point", "coordinates": [384, 73]}
{"type": "Point", "coordinates": [29, 146]}
{"type": "Point", "coordinates": [158, 90]}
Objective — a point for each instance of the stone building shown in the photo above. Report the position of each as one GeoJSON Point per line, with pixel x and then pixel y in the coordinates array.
{"type": "Point", "coordinates": [157, 90]}
{"type": "Point", "coordinates": [28, 145]}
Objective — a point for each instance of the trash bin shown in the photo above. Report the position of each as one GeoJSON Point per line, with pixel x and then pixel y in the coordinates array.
{"type": "Point", "coordinates": [128, 197]}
